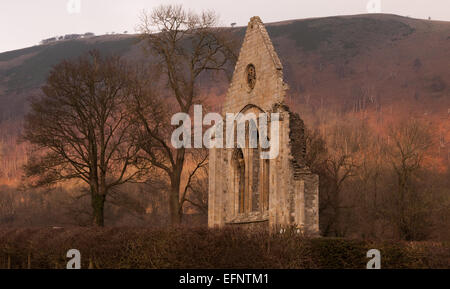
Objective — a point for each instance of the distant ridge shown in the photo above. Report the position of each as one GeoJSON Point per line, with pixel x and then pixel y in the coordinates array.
{"type": "Point", "coordinates": [380, 62]}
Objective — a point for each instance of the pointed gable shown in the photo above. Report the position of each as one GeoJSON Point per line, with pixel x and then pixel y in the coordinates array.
{"type": "Point", "coordinates": [258, 75]}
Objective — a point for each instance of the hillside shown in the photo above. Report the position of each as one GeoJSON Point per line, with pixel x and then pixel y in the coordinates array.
{"type": "Point", "coordinates": [384, 65]}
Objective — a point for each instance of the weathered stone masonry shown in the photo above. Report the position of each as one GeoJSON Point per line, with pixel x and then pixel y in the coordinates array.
{"type": "Point", "coordinates": [243, 188]}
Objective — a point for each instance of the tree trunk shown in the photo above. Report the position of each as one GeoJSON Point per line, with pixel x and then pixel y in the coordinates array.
{"type": "Point", "coordinates": [98, 205]}
{"type": "Point", "coordinates": [174, 201]}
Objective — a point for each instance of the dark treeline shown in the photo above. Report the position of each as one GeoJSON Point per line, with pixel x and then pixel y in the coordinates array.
{"type": "Point", "coordinates": [379, 181]}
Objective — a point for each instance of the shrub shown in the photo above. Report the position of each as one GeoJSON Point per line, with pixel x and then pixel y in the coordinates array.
{"type": "Point", "coordinates": [202, 248]}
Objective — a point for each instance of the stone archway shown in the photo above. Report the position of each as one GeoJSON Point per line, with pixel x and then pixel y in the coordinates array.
{"type": "Point", "coordinates": [251, 172]}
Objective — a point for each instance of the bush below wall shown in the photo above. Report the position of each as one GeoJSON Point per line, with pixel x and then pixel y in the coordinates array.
{"type": "Point", "coordinates": [201, 248]}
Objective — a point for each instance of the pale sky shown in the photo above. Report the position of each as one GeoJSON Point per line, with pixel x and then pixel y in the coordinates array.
{"type": "Point", "coordinates": [24, 23]}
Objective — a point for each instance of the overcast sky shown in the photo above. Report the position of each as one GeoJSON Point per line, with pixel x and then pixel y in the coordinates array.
{"type": "Point", "coordinates": [24, 23]}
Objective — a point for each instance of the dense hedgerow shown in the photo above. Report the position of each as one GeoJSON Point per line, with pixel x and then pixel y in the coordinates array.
{"type": "Point", "coordinates": [203, 248]}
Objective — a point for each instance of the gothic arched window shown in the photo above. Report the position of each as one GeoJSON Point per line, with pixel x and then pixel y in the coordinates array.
{"type": "Point", "coordinates": [251, 174]}
{"type": "Point", "coordinates": [240, 179]}
{"type": "Point", "coordinates": [255, 169]}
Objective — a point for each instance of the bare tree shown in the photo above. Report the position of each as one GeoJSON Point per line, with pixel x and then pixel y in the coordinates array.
{"type": "Point", "coordinates": [195, 192]}
{"type": "Point", "coordinates": [185, 46]}
{"type": "Point", "coordinates": [335, 163]}
{"type": "Point", "coordinates": [1, 157]}
{"type": "Point", "coordinates": [81, 128]}
{"type": "Point", "coordinates": [7, 206]}
{"type": "Point", "coordinates": [409, 142]}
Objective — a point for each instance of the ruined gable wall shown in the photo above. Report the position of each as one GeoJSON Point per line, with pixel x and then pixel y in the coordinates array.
{"type": "Point", "coordinates": [293, 196]}
{"type": "Point", "coordinates": [257, 49]}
